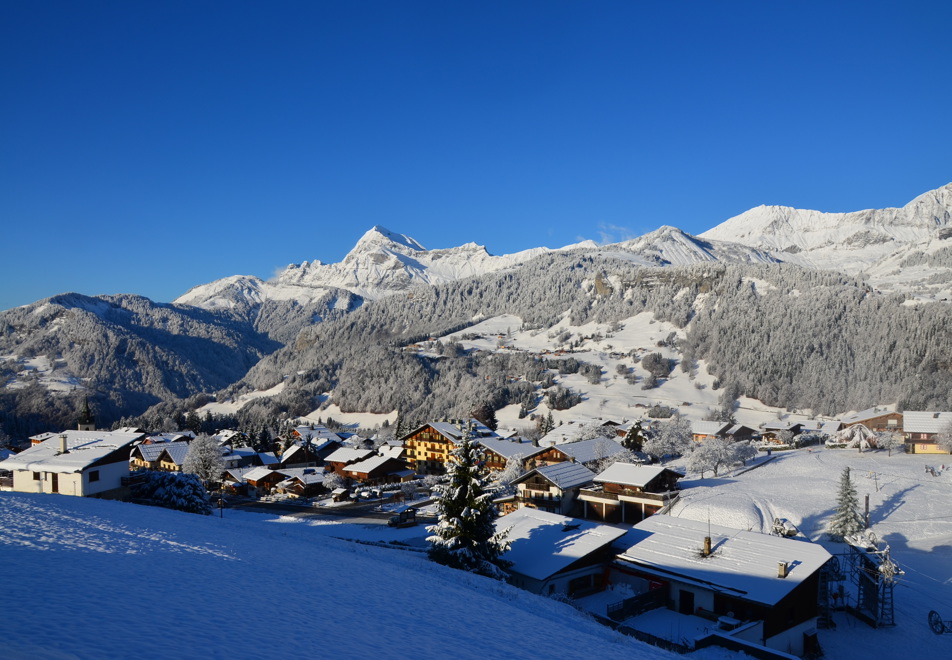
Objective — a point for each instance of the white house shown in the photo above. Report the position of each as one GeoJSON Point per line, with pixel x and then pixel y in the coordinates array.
{"type": "Point", "coordinates": [81, 463]}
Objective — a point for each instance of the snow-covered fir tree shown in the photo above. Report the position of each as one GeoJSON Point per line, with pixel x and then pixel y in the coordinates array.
{"type": "Point", "coordinates": [204, 459]}
{"type": "Point", "coordinates": [847, 519]}
{"type": "Point", "coordinates": [464, 536]}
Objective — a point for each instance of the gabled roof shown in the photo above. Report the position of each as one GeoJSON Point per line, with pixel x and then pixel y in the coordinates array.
{"type": "Point", "coordinates": [564, 475]}
{"type": "Point", "coordinates": [150, 453]}
{"type": "Point", "coordinates": [709, 428]}
{"type": "Point", "coordinates": [451, 429]}
{"type": "Point", "coordinates": [743, 564]}
{"type": "Point", "coordinates": [348, 455]}
{"type": "Point", "coordinates": [256, 473]}
{"type": "Point", "coordinates": [83, 448]}
{"type": "Point", "coordinates": [175, 451]}
{"type": "Point", "coordinates": [869, 413]}
{"type": "Point", "coordinates": [542, 543]}
{"type": "Point", "coordinates": [924, 421]}
{"type": "Point", "coordinates": [509, 448]}
{"type": "Point", "coordinates": [740, 428]}
{"type": "Point", "coordinates": [306, 476]}
{"type": "Point", "coordinates": [586, 451]}
{"type": "Point", "coordinates": [371, 463]}
{"type": "Point", "coordinates": [629, 474]}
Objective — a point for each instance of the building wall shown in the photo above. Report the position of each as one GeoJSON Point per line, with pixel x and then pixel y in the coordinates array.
{"type": "Point", "coordinates": [78, 484]}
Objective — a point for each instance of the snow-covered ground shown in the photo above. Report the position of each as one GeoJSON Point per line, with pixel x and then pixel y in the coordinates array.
{"type": "Point", "coordinates": [909, 510]}
{"type": "Point", "coordinates": [95, 579]}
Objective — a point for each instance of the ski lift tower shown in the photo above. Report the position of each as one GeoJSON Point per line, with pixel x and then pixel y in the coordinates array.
{"type": "Point", "coordinates": [875, 574]}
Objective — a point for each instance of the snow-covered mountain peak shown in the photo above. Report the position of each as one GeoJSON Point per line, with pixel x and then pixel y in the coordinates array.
{"type": "Point", "coordinates": [380, 237]}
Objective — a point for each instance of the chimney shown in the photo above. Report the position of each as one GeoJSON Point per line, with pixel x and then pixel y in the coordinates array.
{"type": "Point", "coordinates": [707, 547]}
{"type": "Point", "coordinates": [62, 449]}
{"type": "Point", "coordinates": [781, 569]}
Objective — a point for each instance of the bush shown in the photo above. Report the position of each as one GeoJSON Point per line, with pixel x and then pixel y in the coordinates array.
{"type": "Point", "coordinates": [174, 490]}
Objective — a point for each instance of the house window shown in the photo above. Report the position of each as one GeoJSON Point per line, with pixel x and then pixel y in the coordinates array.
{"type": "Point", "coordinates": [36, 476]}
{"type": "Point", "coordinates": [93, 476]}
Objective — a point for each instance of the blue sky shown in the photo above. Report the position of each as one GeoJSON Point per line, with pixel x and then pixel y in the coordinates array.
{"type": "Point", "coordinates": [151, 146]}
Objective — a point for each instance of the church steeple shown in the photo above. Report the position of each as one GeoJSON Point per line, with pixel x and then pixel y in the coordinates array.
{"type": "Point", "coordinates": [86, 420]}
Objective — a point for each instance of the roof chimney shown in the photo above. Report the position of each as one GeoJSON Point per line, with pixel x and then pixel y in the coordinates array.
{"type": "Point", "coordinates": [782, 569]}
{"type": "Point", "coordinates": [707, 547]}
{"type": "Point", "coordinates": [62, 448]}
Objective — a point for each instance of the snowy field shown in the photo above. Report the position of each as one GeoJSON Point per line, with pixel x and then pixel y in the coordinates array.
{"type": "Point", "coordinates": [911, 511]}
{"type": "Point", "coordinates": [95, 579]}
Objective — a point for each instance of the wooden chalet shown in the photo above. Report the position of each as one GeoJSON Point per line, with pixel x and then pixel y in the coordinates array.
{"type": "Point", "coordinates": [344, 457]}
{"type": "Point", "coordinates": [497, 451]}
{"type": "Point", "coordinates": [553, 488]}
{"type": "Point", "coordinates": [429, 447]}
{"type": "Point", "coordinates": [922, 428]}
{"type": "Point", "coordinates": [875, 419]}
{"type": "Point", "coordinates": [629, 493]}
{"type": "Point", "coordinates": [760, 589]}
{"type": "Point", "coordinates": [377, 470]}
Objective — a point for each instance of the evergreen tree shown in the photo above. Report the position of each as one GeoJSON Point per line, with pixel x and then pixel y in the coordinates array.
{"type": "Point", "coordinates": [847, 519]}
{"type": "Point", "coordinates": [204, 459]}
{"type": "Point", "coordinates": [485, 414]}
{"type": "Point", "coordinates": [634, 440]}
{"type": "Point", "coordinates": [464, 536]}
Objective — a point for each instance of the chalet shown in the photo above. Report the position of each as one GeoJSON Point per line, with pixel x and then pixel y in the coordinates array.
{"type": "Point", "coordinates": [555, 554]}
{"type": "Point", "coordinates": [316, 433]}
{"type": "Point", "coordinates": [257, 480]}
{"type": "Point", "coordinates": [172, 456]}
{"type": "Point", "coordinates": [741, 433]}
{"type": "Point", "coordinates": [552, 488]}
{"type": "Point", "coordinates": [590, 452]}
{"type": "Point", "coordinates": [301, 482]}
{"type": "Point", "coordinates": [429, 446]}
{"type": "Point", "coordinates": [376, 470]}
{"type": "Point", "coordinates": [344, 457]}
{"type": "Point", "coordinates": [922, 428]}
{"type": "Point", "coordinates": [876, 419]}
{"type": "Point", "coordinates": [629, 493]}
{"type": "Point", "coordinates": [704, 430]}
{"type": "Point", "coordinates": [147, 456]}
{"type": "Point", "coordinates": [764, 588]}
{"type": "Point", "coordinates": [497, 451]}
{"type": "Point", "coordinates": [772, 430]}
{"type": "Point", "coordinates": [300, 455]}
{"type": "Point", "coordinates": [82, 463]}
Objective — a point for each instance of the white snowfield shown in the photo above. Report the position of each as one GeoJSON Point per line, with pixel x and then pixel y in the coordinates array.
{"type": "Point", "coordinates": [94, 579]}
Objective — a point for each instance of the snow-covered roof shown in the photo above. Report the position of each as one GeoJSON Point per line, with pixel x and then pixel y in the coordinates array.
{"type": "Point", "coordinates": [348, 455]}
{"type": "Point", "coordinates": [743, 564]}
{"type": "Point", "coordinates": [316, 432]}
{"type": "Point", "coordinates": [304, 475]}
{"type": "Point", "coordinates": [268, 458]}
{"type": "Point", "coordinates": [150, 452]}
{"type": "Point", "coordinates": [509, 448]}
{"type": "Point", "coordinates": [256, 473]}
{"type": "Point", "coordinates": [543, 543]}
{"type": "Point", "coordinates": [391, 451]}
{"type": "Point", "coordinates": [83, 448]}
{"type": "Point", "coordinates": [452, 431]}
{"type": "Point", "coordinates": [176, 451]}
{"type": "Point", "coordinates": [923, 421]}
{"type": "Point", "coordinates": [863, 415]}
{"type": "Point", "coordinates": [586, 451]}
{"type": "Point", "coordinates": [629, 474]}
{"type": "Point", "coordinates": [701, 427]}
{"type": "Point", "coordinates": [368, 464]}
{"type": "Point", "coordinates": [564, 475]}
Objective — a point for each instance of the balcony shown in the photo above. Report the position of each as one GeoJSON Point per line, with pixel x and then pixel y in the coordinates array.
{"type": "Point", "coordinates": [627, 495]}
